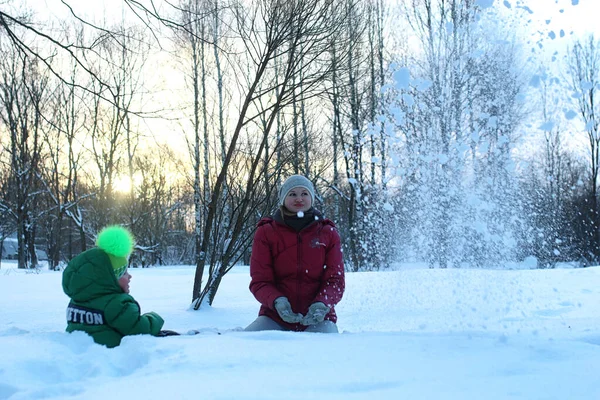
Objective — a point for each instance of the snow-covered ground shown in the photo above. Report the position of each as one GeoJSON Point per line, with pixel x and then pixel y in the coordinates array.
{"type": "Point", "coordinates": [405, 334]}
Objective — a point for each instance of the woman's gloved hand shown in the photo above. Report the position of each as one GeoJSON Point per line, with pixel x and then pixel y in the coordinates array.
{"type": "Point", "coordinates": [316, 313]}
{"type": "Point", "coordinates": [284, 309]}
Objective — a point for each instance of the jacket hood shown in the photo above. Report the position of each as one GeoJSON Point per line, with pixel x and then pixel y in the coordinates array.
{"type": "Point", "coordinates": [90, 275]}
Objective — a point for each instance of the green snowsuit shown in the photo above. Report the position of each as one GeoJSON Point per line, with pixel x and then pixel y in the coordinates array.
{"type": "Point", "coordinates": [99, 306]}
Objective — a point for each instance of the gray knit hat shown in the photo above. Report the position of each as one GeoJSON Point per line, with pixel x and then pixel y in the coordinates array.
{"type": "Point", "coordinates": [293, 182]}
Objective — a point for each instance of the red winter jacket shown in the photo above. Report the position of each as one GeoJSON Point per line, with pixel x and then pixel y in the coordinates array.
{"type": "Point", "coordinates": [306, 267]}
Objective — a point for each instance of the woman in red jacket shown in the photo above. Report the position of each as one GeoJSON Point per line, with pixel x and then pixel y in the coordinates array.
{"type": "Point", "coordinates": [296, 267]}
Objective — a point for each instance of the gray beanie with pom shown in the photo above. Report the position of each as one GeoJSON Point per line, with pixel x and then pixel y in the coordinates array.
{"type": "Point", "coordinates": [293, 182]}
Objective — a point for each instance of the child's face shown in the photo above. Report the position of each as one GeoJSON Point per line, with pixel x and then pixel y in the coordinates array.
{"type": "Point", "coordinates": [124, 281]}
{"type": "Point", "coordinates": [298, 199]}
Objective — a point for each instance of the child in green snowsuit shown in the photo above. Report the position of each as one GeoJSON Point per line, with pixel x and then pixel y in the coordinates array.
{"type": "Point", "coordinates": [97, 281]}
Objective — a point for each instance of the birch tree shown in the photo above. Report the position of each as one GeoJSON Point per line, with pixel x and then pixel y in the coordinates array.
{"type": "Point", "coordinates": [195, 18]}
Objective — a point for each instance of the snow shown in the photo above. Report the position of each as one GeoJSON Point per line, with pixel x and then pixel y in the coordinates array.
{"type": "Point", "coordinates": [412, 333]}
{"type": "Point", "coordinates": [570, 114]}
{"type": "Point", "coordinates": [485, 3]}
{"type": "Point", "coordinates": [402, 78]}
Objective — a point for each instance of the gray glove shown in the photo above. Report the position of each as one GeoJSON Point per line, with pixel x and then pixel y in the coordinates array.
{"type": "Point", "coordinates": [284, 309]}
{"type": "Point", "coordinates": [316, 313]}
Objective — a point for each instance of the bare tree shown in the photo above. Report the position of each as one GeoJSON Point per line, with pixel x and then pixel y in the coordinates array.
{"type": "Point", "coordinates": [111, 132]}
{"type": "Point", "coordinates": [299, 33]}
{"type": "Point", "coordinates": [20, 30]}
{"type": "Point", "coordinates": [584, 69]}
{"type": "Point", "coordinates": [461, 93]}
{"type": "Point", "coordinates": [352, 87]}
{"type": "Point", "coordinates": [62, 162]}
{"type": "Point", "coordinates": [22, 95]}
{"type": "Point", "coordinates": [7, 222]}
{"type": "Point", "coordinates": [157, 202]}
{"type": "Point", "coordinates": [195, 19]}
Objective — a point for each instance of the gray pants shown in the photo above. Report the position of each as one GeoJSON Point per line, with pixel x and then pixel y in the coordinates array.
{"type": "Point", "coordinates": [264, 323]}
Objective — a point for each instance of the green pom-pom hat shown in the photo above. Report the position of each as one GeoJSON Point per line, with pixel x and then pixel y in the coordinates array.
{"type": "Point", "coordinates": [118, 243]}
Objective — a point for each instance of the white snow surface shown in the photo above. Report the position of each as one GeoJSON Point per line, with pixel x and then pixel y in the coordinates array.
{"type": "Point", "coordinates": [412, 333]}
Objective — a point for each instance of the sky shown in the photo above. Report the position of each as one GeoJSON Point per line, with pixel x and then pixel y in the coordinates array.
{"type": "Point", "coordinates": [409, 333]}
{"type": "Point", "coordinates": [551, 26]}
{"type": "Point", "coordinates": [577, 15]}
{"type": "Point", "coordinates": [546, 17]}
{"type": "Point", "coordinates": [573, 16]}
{"type": "Point", "coordinates": [547, 26]}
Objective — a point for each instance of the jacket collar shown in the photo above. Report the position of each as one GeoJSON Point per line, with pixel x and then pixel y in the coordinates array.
{"type": "Point", "coordinates": [297, 223]}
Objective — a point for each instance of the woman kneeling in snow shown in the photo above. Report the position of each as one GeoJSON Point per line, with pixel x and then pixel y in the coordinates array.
{"type": "Point", "coordinates": [297, 268]}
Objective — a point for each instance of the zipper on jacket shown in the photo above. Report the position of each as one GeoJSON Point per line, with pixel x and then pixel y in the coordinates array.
{"type": "Point", "coordinates": [298, 270]}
